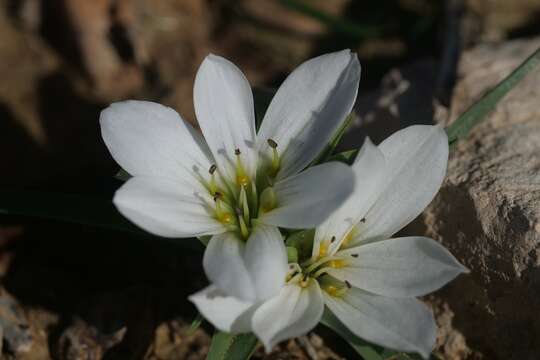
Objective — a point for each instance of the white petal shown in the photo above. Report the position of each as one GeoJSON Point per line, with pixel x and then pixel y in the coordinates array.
{"type": "Point", "coordinates": [224, 265]}
{"type": "Point", "coordinates": [368, 170]}
{"type": "Point", "coordinates": [166, 208]}
{"type": "Point", "coordinates": [294, 312]}
{"type": "Point", "coordinates": [308, 107]}
{"type": "Point", "coordinates": [416, 159]}
{"type": "Point", "coordinates": [307, 199]}
{"type": "Point", "coordinates": [224, 107]}
{"type": "Point", "coordinates": [226, 313]}
{"type": "Point", "coordinates": [400, 267]}
{"type": "Point", "coordinates": [266, 260]}
{"type": "Point", "coordinates": [150, 139]}
{"type": "Point", "coordinates": [400, 324]}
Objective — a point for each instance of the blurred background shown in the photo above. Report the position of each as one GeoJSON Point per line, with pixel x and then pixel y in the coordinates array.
{"type": "Point", "coordinates": [72, 291]}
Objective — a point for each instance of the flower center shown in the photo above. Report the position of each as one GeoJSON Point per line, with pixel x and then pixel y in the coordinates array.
{"type": "Point", "coordinates": [238, 203]}
{"type": "Point", "coordinates": [316, 270]}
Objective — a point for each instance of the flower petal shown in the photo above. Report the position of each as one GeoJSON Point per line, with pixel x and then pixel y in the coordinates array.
{"type": "Point", "coordinates": [150, 139]}
{"type": "Point", "coordinates": [226, 313]}
{"type": "Point", "coordinates": [224, 265]}
{"type": "Point", "coordinates": [266, 260]}
{"type": "Point", "coordinates": [400, 324]}
{"type": "Point", "coordinates": [416, 159]}
{"type": "Point", "coordinates": [308, 107]}
{"type": "Point", "coordinates": [164, 207]}
{"type": "Point", "coordinates": [224, 107]}
{"type": "Point", "coordinates": [307, 199]}
{"type": "Point", "coordinates": [294, 312]}
{"type": "Point", "coordinates": [368, 170]}
{"type": "Point", "coordinates": [400, 267]}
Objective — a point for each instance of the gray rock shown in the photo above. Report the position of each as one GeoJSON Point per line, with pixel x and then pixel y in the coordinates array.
{"type": "Point", "coordinates": [488, 215]}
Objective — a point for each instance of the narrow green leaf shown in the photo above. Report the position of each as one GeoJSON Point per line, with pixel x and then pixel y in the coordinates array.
{"type": "Point", "coordinates": [363, 348]}
{"type": "Point", "coordinates": [231, 347]}
{"type": "Point", "coordinates": [336, 138]}
{"type": "Point", "coordinates": [78, 209]}
{"type": "Point", "coordinates": [195, 324]}
{"type": "Point", "coordinates": [337, 24]}
{"type": "Point", "coordinates": [346, 157]}
{"type": "Point", "coordinates": [478, 111]}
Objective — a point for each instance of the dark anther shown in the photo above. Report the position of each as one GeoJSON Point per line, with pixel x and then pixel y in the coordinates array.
{"type": "Point", "coordinates": [333, 239]}
{"type": "Point", "coordinates": [212, 169]}
{"type": "Point", "coordinates": [238, 211]}
{"type": "Point", "coordinates": [272, 143]}
{"type": "Point", "coordinates": [363, 220]}
{"type": "Point", "coordinates": [237, 152]}
{"type": "Point", "coordinates": [348, 284]}
{"type": "Point", "coordinates": [217, 195]}
{"type": "Point", "coordinates": [354, 255]}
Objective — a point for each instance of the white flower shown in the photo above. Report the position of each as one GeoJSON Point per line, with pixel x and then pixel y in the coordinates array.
{"type": "Point", "coordinates": [367, 280]}
{"type": "Point", "coordinates": [236, 184]}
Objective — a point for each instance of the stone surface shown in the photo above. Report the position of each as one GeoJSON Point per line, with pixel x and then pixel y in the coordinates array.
{"type": "Point", "coordinates": [488, 215]}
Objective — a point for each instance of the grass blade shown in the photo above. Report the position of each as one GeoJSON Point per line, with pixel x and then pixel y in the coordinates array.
{"type": "Point", "coordinates": [478, 111]}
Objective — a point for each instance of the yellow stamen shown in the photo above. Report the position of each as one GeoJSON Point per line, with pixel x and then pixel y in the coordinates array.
{"type": "Point", "coordinates": [241, 177]}
{"type": "Point", "coordinates": [276, 161]}
{"type": "Point", "coordinates": [348, 237]}
{"type": "Point", "coordinates": [337, 264]}
{"type": "Point", "coordinates": [323, 249]}
{"type": "Point", "coordinates": [242, 180]}
{"type": "Point", "coordinates": [335, 291]}
{"type": "Point", "coordinates": [225, 218]}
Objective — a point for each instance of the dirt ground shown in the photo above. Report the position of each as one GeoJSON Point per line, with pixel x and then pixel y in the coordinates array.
{"type": "Point", "coordinates": [70, 291]}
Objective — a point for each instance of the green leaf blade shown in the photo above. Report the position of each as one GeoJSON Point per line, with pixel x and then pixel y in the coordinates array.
{"type": "Point", "coordinates": [227, 346]}
{"type": "Point", "coordinates": [479, 110]}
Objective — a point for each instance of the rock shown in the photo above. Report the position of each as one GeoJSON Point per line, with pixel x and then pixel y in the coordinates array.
{"type": "Point", "coordinates": [488, 215]}
{"type": "Point", "coordinates": [14, 324]}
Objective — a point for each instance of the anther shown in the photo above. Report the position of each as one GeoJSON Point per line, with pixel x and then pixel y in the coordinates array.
{"type": "Point", "coordinates": [238, 211]}
{"type": "Point", "coordinates": [217, 196]}
{"type": "Point", "coordinates": [354, 255]}
{"type": "Point", "coordinates": [272, 143]}
{"type": "Point", "coordinates": [348, 284]}
{"type": "Point", "coordinates": [237, 152]}
{"type": "Point", "coordinates": [363, 220]}
{"type": "Point", "coordinates": [333, 239]}
{"type": "Point", "coordinates": [212, 169]}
